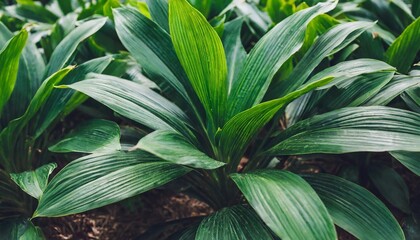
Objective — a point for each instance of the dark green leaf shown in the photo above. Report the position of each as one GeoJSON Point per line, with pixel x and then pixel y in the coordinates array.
{"type": "Point", "coordinates": [409, 159]}
{"type": "Point", "coordinates": [159, 11]}
{"type": "Point", "coordinates": [356, 129]}
{"type": "Point", "coordinates": [391, 185]}
{"type": "Point", "coordinates": [175, 148]}
{"type": "Point", "coordinates": [93, 136]}
{"type": "Point", "coordinates": [101, 179]}
{"type": "Point", "coordinates": [355, 209]}
{"type": "Point", "coordinates": [233, 223]}
{"type": "Point", "coordinates": [287, 204]}
{"type": "Point", "coordinates": [235, 52]}
{"type": "Point", "coordinates": [68, 45]}
{"type": "Point", "coordinates": [136, 102]}
{"type": "Point", "coordinates": [34, 182]}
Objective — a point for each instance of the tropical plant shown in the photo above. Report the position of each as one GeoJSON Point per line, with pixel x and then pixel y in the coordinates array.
{"type": "Point", "coordinates": [220, 137]}
{"type": "Point", "coordinates": [29, 110]}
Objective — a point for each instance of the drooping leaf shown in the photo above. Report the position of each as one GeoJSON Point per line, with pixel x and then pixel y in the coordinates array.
{"type": "Point", "coordinates": [287, 204]}
{"type": "Point", "coordinates": [404, 49]}
{"type": "Point", "coordinates": [354, 129]}
{"type": "Point", "coordinates": [201, 53]}
{"type": "Point", "coordinates": [34, 182]}
{"type": "Point", "coordinates": [409, 159]}
{"type": "Point", "coordinates": [92, 136]}
{"type": "Point", "coordinates": [235, 52]}
{"type": "Point", "coordinates": [97, 180]}
{"type": "Point", "coordinates": [68, 45]}
{"type": "Point", "coordinates": [9, 62]}
{"type": "Point", "coordinates": [233, 223]}
{"type": "Point", "coordinates": [266, 58]}
{"type": "Point", "coordinates": [174, 147]}
{"type": "Point", "coordinates": [391, 185]}
{"type": "Point", "coordinates": [355, 209]}
{"type": "Point", "coordinates": [137, 103]}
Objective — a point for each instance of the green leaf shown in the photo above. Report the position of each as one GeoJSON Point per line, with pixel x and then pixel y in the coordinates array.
{"type": "Point", "coordinates": [159, 11]}
{"type": "Point", "coordinates": [153, 51]}
{"type": "Point", "coordinates": [391, 185]}
{"type": "Point", "coordinates": [409, 159]}
{"type": "Point", "coordinates": [97, 180]}
{"type": "Point", "coordinates": [201, 53]}
{"type": "Point", "coordinates": [20, 229]}
{"type": "Point", "coordinates": [355, 209]}
{"type": "Point", "coordinates": [393, 89]}
{"type": "Point", "coordinates": [287, 204]}
{"type": "Point", "coordinates": [65, 49]}
{"type": "Point", "coordinates": [327, 44]}
{"type": "Point", "coordinates": [242, 128]}
{"type": "Point", "coordinates": [235, 52]}
{"type": "Point", "coordinates": [268, 55]}
{"type": "Point", "coordinates": [29, 10]}
{"type": "Point", "coordinates": [34, 182]}
{"type": "Point", "coordinates": [404, 49]}
{"type": "Point", "coordinates": [137, 103]}
{"type": "Point", "coordinates": [59, 99]}
{"type": "Point", "coordinates": [175, 148]}
{"type": "Point", "coordinates": [233, 223]}
{"type": "Point", "coordinates": [9, 134]}
{"type": "Point", "coordinates": [93, 136]}
{"type": "Point", "coordinates": [29, 78]}
{"type": "Point", "coordinates": [9, 62]}
{"type": "Point", "coordinates": [353, 129]}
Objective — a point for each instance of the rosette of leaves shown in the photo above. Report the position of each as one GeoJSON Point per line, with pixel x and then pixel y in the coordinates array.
{"type": "Point", "coordinates": [221, 136]}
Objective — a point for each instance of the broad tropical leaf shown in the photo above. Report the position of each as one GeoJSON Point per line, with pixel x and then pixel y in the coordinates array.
{"type": "Point", "coordinates": [409, 159]}
{"type": "Point", "coordinates": [391, 185]}
{"type": "Point", "coordinates": [9, 62]}
{"type": "Point", "coordinates": [34, 182]}
{"type": "Point", "coordinates": [356, 129]}
{"type": "Point", "coordinates": [174, 147]}
{"type": "Point", "coordinates": [92, 136]}
{"type": "Point", "coordinates": [101, 179]}
{"type": "Point", "coordinates": [137, 103]}
{"type": "Point", "coordinates": [404, 49]}
{"type": "Point", "coordinates": [233, 223]}
{"type": "Point", "coordinates": [355, 209]}
{"type": "Point", "coordinates": [266, 58]}
{"type": "Point", "coordinates": [287, 204]}
{"type": "Point", "coordinates": [201, 53]}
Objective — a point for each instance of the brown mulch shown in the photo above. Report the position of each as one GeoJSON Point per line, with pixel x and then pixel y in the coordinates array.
{"type": "Point", "coordinates": [125, 221]}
